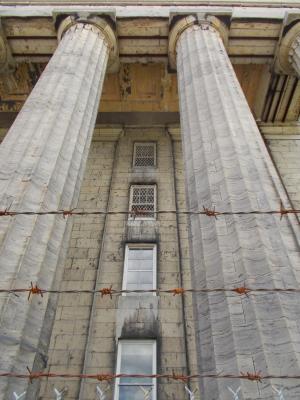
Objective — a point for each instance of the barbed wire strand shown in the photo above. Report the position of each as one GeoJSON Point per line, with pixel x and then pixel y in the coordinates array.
{"type": "Point", "coordinates": [109, 291]}
{"type": "Point", "coordinates": [254, 377]}
{"type": "Point", "coordinates": [146, 213]}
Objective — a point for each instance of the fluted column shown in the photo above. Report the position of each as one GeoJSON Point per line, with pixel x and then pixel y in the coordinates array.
{"type": "Point", "coordinates": [228, 168]}
{"type": "Point", "coordinates": [42, 160]}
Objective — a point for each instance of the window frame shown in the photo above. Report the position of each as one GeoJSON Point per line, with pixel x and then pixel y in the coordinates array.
{"type": "Point", "coordinates": [121, 342]}
{"type": "Point", "coordinates": [142, 218]}
{"type": "Point", "coordinates": [140, 246]}
{"type": "Point", "coordinates": [135, 144]}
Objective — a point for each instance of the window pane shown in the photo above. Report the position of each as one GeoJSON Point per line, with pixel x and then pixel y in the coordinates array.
{"type": "Point", "coordinates": [136, 358]}
{"type": "Point", "coordinates": [140, 259]}
{"type": "Point", "coordinates": [132, 278]}
{"type": "Point", "coordinates": [140, 265]}
{"type": "Point", "coordinates": [145, 277]}
{"type": "Point", "coordinates": [139, 268]}
{"type": "Point", "coordinates": [140, 254]}
{"type": "Point", "coordinates": [135, 277]}
{"type": "Point", "coordinates": [145, 286]}
{"type": "Point", "coordinates": [132, 393]}
{"type": "Point", "coordinates": [134, 286]}
{"type": "Point", "coordinates": [139, 277]}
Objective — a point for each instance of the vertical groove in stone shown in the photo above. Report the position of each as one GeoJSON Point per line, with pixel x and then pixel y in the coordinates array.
{"type": "Point", "coordinates": [294, 56]}
{"type": "Point", "coordinates": [227, 166]}
{"type": "Point", "coordinates": [42, 160]}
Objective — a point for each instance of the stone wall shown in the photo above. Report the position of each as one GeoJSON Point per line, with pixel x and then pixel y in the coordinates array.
{"type": "Point", "coordinates": [87, 329]}
{"type": "Point", "coordinates": [70, 329]}
{"type": "Point", "coordinates": [80, 343]}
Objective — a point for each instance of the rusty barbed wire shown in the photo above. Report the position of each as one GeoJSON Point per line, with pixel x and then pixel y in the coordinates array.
{"type": "Point", "coordinates": [256, 376]}
{"type": "Point", "coordinates": [250, 376]}
{"type": "Point", "coordinates": [106, 291]}
{"type": "Point", "coordinates": [34, 289]}
{"type": "Point", "coordinates": [144, 213]}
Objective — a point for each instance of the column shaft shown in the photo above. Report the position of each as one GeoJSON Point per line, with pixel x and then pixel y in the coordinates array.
{"type": "Point", "coordinates": [228, 167]}
{"type": "Point", "coordinates": [42, 160]}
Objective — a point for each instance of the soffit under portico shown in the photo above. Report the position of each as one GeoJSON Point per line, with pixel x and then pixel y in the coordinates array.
{"type": "Point", "coordinates": [144, 83]}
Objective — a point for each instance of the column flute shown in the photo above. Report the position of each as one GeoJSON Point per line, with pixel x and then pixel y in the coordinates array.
{"type": "Point", "coordinates": [42, 160]}
{"type": "Point", "coordinates": [228, 167]}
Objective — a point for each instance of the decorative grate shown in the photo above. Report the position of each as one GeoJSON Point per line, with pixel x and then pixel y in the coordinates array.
{"type": "Point", "coordinates": [144, 155]}
{"type": "Point", "coordinates": [143, 201]}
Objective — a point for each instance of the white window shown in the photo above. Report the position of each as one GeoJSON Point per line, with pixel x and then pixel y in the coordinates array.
{"type": "Point", "coordinates": [136, 357]}
{"type": "Point", "coordinates": [142, 201]}
{"type": "Point", "coordinates": [144, 154]}
{"type": "Point", "coordinates": [140, 267]}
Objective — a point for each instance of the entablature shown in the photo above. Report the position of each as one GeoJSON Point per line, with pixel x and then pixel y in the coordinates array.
{"type": "Point", "coordinates": [145, 81]}
{"type": "Point", "coordinates": [143, 32]}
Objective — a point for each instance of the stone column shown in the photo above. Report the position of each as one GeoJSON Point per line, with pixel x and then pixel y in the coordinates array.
{"type": "Point", "coordinates": [288, 55]}
{"type": "Point", "coordinates": [42, 160]}
{"type": "Point", "coordinates": [227, 167]}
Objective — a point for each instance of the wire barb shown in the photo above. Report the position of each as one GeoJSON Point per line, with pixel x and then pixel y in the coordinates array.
{"type": "Point", "coordinates": [211, 213]}
{"type": "Point", "coordinates": [283, 211]}
{"type": "Point", "coordinates": [107, 291]}
{"type": "Point", "coordinates": [66, 213]}
{"type": "Point", "coordinates": [34, 375]}
{"type": "Point", "coordinates": [104, 377]}
{"type": "Point", "coordinates": [177, 291]}
{"type": "Point", "coordinates": [178, 377]}
{"type": "Point", "coordinates": [241, 290]}
{"type": "Point", "coordinates": [34, 289]}
{"type": "Point", "coordinates": [252, 376]}
{"type": "Point", "coordinates": [6, 212]}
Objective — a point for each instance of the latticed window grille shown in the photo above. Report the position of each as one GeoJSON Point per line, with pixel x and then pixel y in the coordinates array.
{"type": "Point", "coordinates": [144, 155]}
{"type": "Point", "coordinates": [142, 201]}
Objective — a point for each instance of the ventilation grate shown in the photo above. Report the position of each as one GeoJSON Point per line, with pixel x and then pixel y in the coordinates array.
{"type": "Point", "coordinates": [144, 155]}
{"type": "Point", "coordinates": [143, 199]}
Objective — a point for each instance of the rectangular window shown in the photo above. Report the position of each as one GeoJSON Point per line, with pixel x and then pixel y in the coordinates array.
{"type": "Point", "coordinates": [136, 357]}
{"type": "Point", "coordinates": [144, 154]}
{"type": "Point", "coordinates": [142, 201]}
{"type": "Point", "coordinates": [140, 267]}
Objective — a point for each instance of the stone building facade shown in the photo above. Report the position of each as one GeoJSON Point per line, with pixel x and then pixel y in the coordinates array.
{"type": "Point", "coordinates": [140, 117]}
